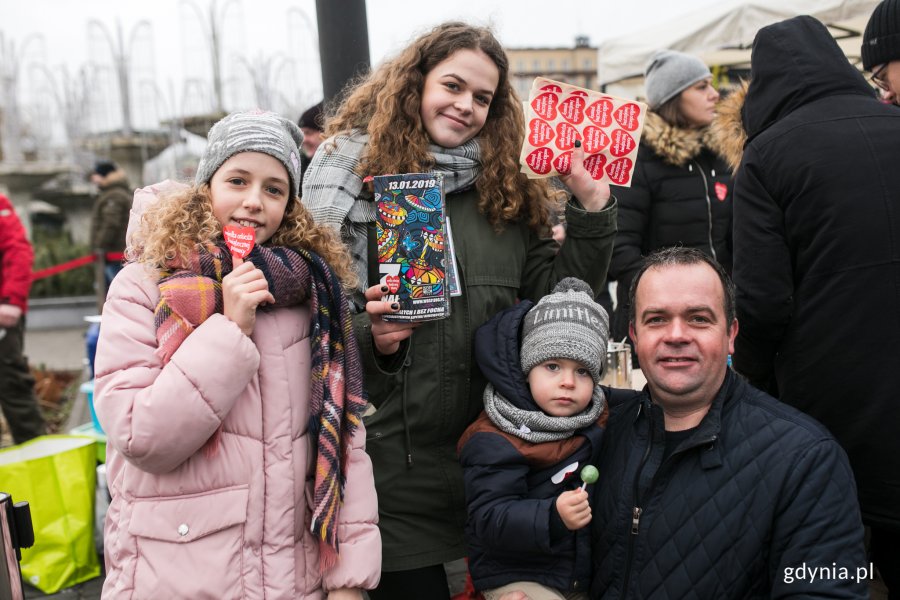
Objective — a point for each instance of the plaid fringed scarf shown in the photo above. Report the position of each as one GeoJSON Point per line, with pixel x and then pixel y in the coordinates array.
{"type": "Point", "coordinates": [188, 296]}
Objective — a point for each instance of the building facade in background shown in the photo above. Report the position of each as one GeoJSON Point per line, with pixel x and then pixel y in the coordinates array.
{"type": "Point", "coordinates": [576, 65]}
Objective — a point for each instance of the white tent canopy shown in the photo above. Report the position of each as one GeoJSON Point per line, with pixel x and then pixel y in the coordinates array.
{"type": "Point", "coordinates": [722, 34]}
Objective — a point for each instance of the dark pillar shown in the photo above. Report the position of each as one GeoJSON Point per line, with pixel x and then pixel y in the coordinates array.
{"type": "Point", "coordinates": [343, 43]}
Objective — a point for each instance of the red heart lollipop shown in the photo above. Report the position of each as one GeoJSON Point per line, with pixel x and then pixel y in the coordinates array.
{"type": "Point", "coordinates": [240, 241]}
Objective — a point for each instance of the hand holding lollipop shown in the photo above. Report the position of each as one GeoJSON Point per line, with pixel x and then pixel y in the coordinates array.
{"type": "Point", "coordinates": [245, 288]}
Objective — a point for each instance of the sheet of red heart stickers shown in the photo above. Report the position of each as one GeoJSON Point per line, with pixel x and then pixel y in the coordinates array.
{"type": "Point", "coordinates": [609, 128]}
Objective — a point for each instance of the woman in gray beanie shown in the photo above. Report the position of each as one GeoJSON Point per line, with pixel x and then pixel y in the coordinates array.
{"type": "Point", "coordinates": [681, 190]}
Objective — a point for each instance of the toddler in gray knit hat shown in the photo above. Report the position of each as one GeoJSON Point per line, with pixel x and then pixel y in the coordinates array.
{"type": "Point", "coordinates": [541, 425]}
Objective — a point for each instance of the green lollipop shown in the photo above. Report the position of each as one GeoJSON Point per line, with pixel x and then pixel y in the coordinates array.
{"type": "Point", "coordinates": [589, 474]}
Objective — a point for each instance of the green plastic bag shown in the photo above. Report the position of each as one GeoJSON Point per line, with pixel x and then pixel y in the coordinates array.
{"type": "Point", "coordinates": [56, 474]}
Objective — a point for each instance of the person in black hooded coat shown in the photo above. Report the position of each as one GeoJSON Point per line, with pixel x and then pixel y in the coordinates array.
{"type": "Point", "coordinates": [817, 256]}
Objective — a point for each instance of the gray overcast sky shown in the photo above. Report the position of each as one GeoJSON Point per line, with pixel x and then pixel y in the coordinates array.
{"type": "Point", "coordinates": [258, 28]}
{"type": "Point", "coordinates": [391, 22]}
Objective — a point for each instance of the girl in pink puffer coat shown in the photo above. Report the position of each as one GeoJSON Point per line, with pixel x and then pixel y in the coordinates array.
{"type": "Point", "coordinates": [231, 392]}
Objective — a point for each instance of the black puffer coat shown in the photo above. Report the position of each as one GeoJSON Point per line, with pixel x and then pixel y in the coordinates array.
{"type": "Point", "coordinates": [758, 488]}
{"type": "Point", "coordinates": [680, 195]}
{"type": "Point", "coordinates": [513, 530]}
{"type": "Point", "coordinates": [817, 251]}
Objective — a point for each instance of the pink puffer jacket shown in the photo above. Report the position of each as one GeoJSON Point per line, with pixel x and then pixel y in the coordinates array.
{"type": "Point", "coordinates": [236, 525]}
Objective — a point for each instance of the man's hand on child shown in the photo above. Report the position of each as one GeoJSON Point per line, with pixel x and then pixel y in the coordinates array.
{"type": "Point", "coordinates": [574, 509]}
{"type": "Point", "coordinates": [243, 290]}
{"type": "Point", "coordinates": [386, 336]}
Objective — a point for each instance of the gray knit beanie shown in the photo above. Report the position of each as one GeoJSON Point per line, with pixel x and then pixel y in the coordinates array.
{"type": "Point", "coordinates": [252, 131]}
{"type": "Point", "coordinates": [669, 73]}
{"type": "Point", "coordinates": [881, 41]}
{"type": "Point", "coordinates": [566, 324]}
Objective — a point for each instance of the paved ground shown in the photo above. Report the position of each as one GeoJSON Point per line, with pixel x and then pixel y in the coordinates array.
{"type": "Point", "coordinates": [89, 590]}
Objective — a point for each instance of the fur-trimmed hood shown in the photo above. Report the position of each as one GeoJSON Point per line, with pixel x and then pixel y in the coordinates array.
{"type": "Point", "coordinates": [727, 135]}
{"type": "Point", "coordinates": [674, 145]}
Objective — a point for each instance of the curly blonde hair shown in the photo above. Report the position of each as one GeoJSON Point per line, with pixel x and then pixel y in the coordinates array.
{"type": "Point", "coordinates": [179, 222]}
{"type": "Point", "coordinates": [386, 104]}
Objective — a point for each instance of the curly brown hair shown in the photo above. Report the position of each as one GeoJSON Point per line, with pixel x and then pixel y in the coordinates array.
{"type": "Point", "coordinates": [386, 104]}
{"type": "Point", "coordinates": [172, 229]}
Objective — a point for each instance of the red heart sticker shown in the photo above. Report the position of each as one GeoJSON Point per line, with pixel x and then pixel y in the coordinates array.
{"type": "Point", "coordinates": [600, 112]}
{"type": "Point", "coordinates": [545, 105]}
{"type": "Point", "coordinates": [594, 139]}
{"type": "Point", "coordinates": [593, 164]}
{"type": "Point", "coordinates": [552, 87]}
{"type": "Point", "coordinates": [563, 163]}
{"type": "Point", "coordinates": [572, 109]}
{"type": "Point", "coordinates": [540, 160]}
{"type": "Point", "coordinates": [721, 191]}
{"type": "Point", "coordinates": [565, 136]}
{"type": "Point", "coordinates": [622, 143]}
{"type": "Point", "coordinates": [239, 240]}
{"type": "Point", "coordinates": [540, 132]}
{"type": "Point", "coordinates": [627, 116]}
{"type": "Point", "coordinates": [393, 283]}
{"type": "Point", "coordinates": [619, 171]}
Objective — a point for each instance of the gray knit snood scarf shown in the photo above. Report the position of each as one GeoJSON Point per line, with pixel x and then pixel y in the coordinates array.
{"type": "Point", "coordinates": [535, 426]}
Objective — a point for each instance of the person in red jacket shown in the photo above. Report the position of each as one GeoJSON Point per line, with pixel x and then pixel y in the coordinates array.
{"type": "Point", "coordinates": [16, 383]}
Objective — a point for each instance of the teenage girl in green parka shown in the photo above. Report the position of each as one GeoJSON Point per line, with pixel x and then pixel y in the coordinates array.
{"type": "Point", "coordinates": [444, 104]}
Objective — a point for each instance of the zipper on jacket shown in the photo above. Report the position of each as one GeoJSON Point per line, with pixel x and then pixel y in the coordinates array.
{"type": "Point", "coordinates": [407, 440]}
{"type": "Point", "coordinates": [712, 248]}
{"type": "Point", "coordinates": [636, 519]}
{"type": "Point", "coordinates": [636, 510]}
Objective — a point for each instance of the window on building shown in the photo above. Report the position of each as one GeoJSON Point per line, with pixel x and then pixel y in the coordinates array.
{"type": "Point", "coordinates": [565, 64]}
{"type": "Point", "coordinates": [551, 64]}
{"type": "Point", "coordinates": [536, 65]}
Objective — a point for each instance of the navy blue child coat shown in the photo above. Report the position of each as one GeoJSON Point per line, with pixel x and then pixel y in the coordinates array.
{"type": "Point", "coordinates": [513, 530]}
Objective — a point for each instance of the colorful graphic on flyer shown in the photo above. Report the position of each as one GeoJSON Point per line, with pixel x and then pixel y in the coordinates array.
{"type": "Point", "coordinates": [609, 129]}
{"type": "Point", "coordinates": [412, 245]}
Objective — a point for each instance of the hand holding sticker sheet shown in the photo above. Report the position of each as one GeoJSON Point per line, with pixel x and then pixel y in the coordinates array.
{"type": "Point", "coordinates": [609, 128]}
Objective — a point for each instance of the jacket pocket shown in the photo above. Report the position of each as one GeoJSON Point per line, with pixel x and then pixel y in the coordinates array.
{"type": "Point", "coordinates": [190, 546]}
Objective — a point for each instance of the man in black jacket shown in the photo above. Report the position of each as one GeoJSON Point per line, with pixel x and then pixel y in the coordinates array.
{"type": "Point", "coordinates": [881, 49]}
{"type": "Point", "coordinates": [817, 257]}
{"type": "Point", "coordinates": [708, 487]}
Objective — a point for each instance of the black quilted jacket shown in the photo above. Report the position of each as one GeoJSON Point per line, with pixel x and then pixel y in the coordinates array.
{"type": "Point", "coordinates": [758, 491]}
